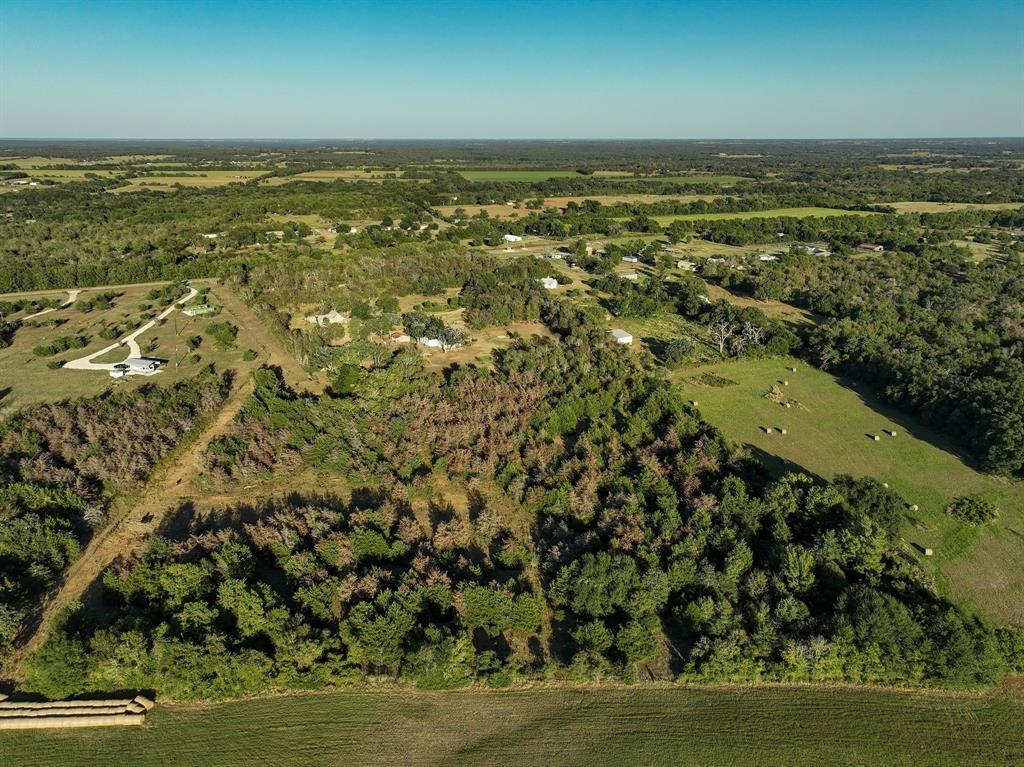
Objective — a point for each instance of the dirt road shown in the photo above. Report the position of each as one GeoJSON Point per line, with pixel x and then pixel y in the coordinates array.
{"type": "Point", "coordinates": [294, 374]}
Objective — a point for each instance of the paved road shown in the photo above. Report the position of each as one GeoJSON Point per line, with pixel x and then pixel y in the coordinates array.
{"type": "Point", "coordinates": [130, 340]}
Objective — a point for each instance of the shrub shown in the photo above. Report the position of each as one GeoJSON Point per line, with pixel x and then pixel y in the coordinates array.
{"type": "Point", "coordinates": [972, 510]}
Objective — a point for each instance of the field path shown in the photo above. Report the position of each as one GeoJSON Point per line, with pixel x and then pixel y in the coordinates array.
{"type": "Point", "coordinates": [129, 527]}
{"type": "Point", "coordinates": [294, 374]}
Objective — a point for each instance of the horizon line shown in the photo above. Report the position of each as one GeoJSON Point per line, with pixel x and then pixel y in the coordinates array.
{"type": "Point", "coordinates": [508, 138]}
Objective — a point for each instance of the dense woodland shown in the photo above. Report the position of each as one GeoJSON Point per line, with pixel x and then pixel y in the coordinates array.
{"type": "Point", "coordinates": [654, 549]}
{"type": "Point", "coordinates": [610, 531]}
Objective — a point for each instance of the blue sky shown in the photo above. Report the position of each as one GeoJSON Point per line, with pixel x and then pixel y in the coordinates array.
{"type": "Point", "coordinates": [157, 69]}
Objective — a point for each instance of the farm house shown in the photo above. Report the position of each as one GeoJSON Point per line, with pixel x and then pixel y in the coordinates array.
{"type": "Point", "coordinates": [333, 317]}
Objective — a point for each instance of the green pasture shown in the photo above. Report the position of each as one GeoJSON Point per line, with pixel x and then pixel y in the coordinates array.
{"type": "Point", "coordinates": [682, 727]}
{"type": "Point", "coordinates": [829, 430]}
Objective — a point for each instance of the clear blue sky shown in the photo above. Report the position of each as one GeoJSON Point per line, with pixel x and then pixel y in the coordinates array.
{"type": "Point", "coordinates": [231, 69]}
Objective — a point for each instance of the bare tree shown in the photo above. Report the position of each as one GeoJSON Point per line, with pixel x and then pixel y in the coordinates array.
{"type": "Point", "coordinates": [720, 332]}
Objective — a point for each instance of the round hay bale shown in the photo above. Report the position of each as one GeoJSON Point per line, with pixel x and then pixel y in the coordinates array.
{"type": "Point", "coordinates": [913, 507]}
{"type": "Point", "coordinates": [788, 405]}
{"type": "Point", "coordinates": [876, 438]}
{"type": "Point", "coordinates": [782, 431]}
{"type": "Point", "coordinates": [885, 484]}
{"type": "Point", "coordinates": [785, 383]}
{"type": "Point", "coordinates": [693, 402]}
{"type": "Point", "coordinates": [792, 370]}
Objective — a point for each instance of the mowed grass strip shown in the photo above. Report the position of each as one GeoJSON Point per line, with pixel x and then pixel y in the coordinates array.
{"type": "Point", "coordinates": [733, 727]}
{"type": "Point", "coordinates": [829, 430]}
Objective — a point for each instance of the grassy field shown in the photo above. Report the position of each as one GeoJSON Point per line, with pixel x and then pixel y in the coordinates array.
{"type": "Point", "coordinates": [25, 378]}
{"type": "Point", "coordinates": [193, 178]}
{"type": "Point", "coordinates": [828, 433]}
{"type": "Point", "coordinates": [727, 727]}
{"type": "Point", "coordinates": [772, 213]}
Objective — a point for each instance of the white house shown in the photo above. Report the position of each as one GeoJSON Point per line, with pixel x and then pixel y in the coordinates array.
{"type": "Point", "coordinates": [630, 259]}
{"type": "Point", "coordinates": [687, 265]}
{"type": "Point", "coordinates": [513, 238]}
{"type": "Point", "coordinates": [430, 343]}
{"type": "Point", "coordinates": [621, 336]}
{"type": "Point", "coordinates": [143, 366]}
{"type": "Point", "coordinates": [630, 276]}
{"type": "Point", "coordinates": [333, 317]}
{"type": "Point", "coordinates": [548, 283]}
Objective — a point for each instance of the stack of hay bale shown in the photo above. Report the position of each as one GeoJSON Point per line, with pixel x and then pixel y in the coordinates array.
{"type": "Point", "coordinates": [72, 713]}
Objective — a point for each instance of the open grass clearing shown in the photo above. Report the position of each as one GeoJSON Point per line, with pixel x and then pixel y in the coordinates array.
{"type": "Point", "coordinates": [829, 428]}
{"type": "Point", "coordinates": [792, 315]}
{"type": "Point", "coordinates": [25, 378]}
{"type": "Point", "coordinates": [682, 727]}
{"type": "Point", "coordinates": [202, 179]}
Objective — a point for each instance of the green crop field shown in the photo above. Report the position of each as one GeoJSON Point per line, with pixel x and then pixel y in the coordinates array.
{"type": "Point", "coordinates": [829, 428]}
{"type": "Point", "coordinates": [730, 727]}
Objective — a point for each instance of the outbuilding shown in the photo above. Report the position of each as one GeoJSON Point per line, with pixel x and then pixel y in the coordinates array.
{"type": "Point", "coordinates": [513, 238]}
{"type": "Point", "coordinates": [621, 336]}
{"type": "Point", "coordinates": [870, 246]}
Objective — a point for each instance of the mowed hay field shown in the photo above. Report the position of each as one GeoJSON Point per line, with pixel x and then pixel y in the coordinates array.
{"type": "Point", "coordinates": [198, 178]}
{"type": "Point", "coordinates": [829, 431]}
{"type": "Point", "coordinates": [710, 727]}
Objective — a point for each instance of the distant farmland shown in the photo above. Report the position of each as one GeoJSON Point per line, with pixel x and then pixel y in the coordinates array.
{"type": "Point", "coordinates": [533, 175]}
{"type": "Point", "coordinates": [542, 175]}
{"type": "Point", "coordinates": [738, 727]}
